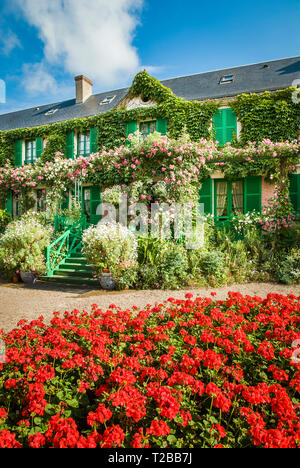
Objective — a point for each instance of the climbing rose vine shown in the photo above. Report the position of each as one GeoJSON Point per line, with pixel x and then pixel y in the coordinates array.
{"type": "Point", "coordinates": [186, 373]}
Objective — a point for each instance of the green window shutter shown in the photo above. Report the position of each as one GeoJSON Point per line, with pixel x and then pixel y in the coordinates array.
{"type": "Point", "coordinates": [219, 126]}
{"type": "Point", "coordinates": [94, 132]}
{"type": "Point", "coordinates": [295, 191]}
{"type": "Point", "coordinates": [9, 203]}
{"type": "Point", "coordinates": [70, 145]}
{"type": "Point", "coordinates": [18, 153]}
{"type": "Point", "coordinates": [162, 126]}
{"type": "Point", "coordinates": [230, 125]}
{"type": "Point", "coordinates": [39, 147]}
{"type": "Point", "coordinates": [225, 125]}
{"type": "Point", "coordinates": [131, 127]}
{"type": "Point", "coordinates": [205, 194]}
{"type": "Point", "coordinates": [252, 194]}
{"type": "Point", "coordinates": [95, 202]}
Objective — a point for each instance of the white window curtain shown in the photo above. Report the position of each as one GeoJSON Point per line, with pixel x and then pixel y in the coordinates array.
{"type": "Point", "coordinates": [237, 197]}
{"type": "Point", "coordinates": [222, 199]}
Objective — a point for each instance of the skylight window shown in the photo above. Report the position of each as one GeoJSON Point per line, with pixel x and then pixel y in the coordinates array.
{"type": "Point", "coordinates": [226, 79]}
{"type": "Point", "coordinates": [107, 100]}
{"type": "Point", "coordinates": [51, 111]}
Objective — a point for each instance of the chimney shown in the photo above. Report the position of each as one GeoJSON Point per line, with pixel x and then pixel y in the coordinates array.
{"type": "Point", "coordinates": [84, 88]}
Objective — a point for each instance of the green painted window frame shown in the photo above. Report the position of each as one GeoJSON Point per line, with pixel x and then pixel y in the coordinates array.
{"type": "Point", "coordinates": [229, 199]}
{"type": "Point", "coordinates": [148, 123]}
{"type": "Point", "coordinates": [31, 159]}
{"type": "Point", "coordinates": [87, 147]}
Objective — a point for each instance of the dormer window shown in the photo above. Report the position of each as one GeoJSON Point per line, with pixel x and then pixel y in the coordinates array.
{"type": "Point", "coordinates": [51, 111]}
{"type": "Point", "coordinates": [107, 100]}
{"type": "Point", "coordinates": [226, 79]}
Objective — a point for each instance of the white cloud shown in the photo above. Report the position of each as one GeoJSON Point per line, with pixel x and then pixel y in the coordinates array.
{"type": "Point", "coordinates": [8, 42]}
{"type": "Point", "coordinates": [36, 79]}
{"type": "Point", "coordinates": [91, 37]}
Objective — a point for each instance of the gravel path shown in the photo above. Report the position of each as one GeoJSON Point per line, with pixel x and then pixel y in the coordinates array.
{"type": "Point", "coordinates": [19, 301]}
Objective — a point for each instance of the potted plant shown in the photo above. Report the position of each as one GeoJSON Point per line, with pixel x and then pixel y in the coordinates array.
{"type": "Point", "coordinates": [112, 248]}
{"type": "Point", "coordinates": [22, 247]}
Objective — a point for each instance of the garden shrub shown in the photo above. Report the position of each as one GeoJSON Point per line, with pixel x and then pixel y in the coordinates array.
{"type": "Point", "coordinates": [163, 264]}
{"type": "Point", "coordinates": [112, 246]}
{"type": "Point", "coordinates": [5, 219]}
{"type": "Point", "coordinates": [184, 374]}
{"type": "Point", "coordinates": [211, 264]}
{"type": "Point", "coordinates": [288, 268]}
{"type": "Point", "coordinates": [23, 245]}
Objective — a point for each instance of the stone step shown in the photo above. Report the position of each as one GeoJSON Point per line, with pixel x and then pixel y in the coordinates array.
{"type": "Point", "coordinates": [76, 260]}
{"type": "Point", "coordinates": [76, 273]}
{"type": "Point", "coordinates": [71, 280]}
{"type": "Point", "coordinates": [76, 266]}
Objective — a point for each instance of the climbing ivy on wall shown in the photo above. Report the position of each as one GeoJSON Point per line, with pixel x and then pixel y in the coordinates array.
{"type": "Point", "coordinates": [268, 115]}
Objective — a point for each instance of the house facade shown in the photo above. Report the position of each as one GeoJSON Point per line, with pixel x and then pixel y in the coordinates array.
{"type": "Point", "coordinates": [224, 105]}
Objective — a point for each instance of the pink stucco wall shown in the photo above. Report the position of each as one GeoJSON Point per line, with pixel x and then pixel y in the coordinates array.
{"type": "Point", "coordinates": [267, 192]}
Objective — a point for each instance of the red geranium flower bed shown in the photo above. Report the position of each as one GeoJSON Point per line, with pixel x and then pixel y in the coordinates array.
{"type": "Point", "coordinates": [192, 373]}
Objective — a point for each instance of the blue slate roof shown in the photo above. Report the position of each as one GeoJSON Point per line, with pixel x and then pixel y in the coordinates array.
{"type": "Point", "coordinates": [259, 77]}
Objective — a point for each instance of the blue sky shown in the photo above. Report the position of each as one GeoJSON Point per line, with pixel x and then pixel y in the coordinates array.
{"type": "Point", "coordinates": [45, 43]}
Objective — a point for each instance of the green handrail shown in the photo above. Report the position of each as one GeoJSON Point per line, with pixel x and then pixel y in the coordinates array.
{"type": "Point", "coordinates": [62, 248]}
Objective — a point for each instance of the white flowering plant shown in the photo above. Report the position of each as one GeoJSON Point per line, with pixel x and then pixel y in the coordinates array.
{"type": "Point", "coordinates": [112, 246]}
{"type": "Point", "coordinates": [112, 195]}
{"type": "Point", "coordinates": [23, 245]}
{"type": "Point", "coordinates": [243, 223]}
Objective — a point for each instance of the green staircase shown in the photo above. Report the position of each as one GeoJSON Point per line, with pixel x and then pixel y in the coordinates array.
{"type": "Point", "coordinates": [74, 270]}
{"type": "Point", "coordinates": [64, 259]}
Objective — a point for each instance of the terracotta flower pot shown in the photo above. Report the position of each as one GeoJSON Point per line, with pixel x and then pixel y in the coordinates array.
{"type": "Point", "coordinates": [15, 278]}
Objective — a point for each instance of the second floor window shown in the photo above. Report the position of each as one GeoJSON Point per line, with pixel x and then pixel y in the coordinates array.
{"type": "Point", "coordinates": [30, 152]}
{"type": "Point", "coordinates": [147, 127]}
{"type": "Point", "coordinates": [84, 144]}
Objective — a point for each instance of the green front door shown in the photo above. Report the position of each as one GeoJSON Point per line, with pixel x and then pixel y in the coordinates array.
{"type": "Point", "coordinates": [92, 204]}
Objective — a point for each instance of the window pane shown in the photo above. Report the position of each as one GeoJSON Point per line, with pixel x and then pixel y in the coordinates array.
{"type": "Point", "coordinates": [152, 128]}
{"type": "Point", "coordinates": [237, 197]}
{"type": "Point", "coordinates": [81, 144]}
{"type": "Point", "coordinates": [28, 151]}
{"type": "Point", "coordinates": [222, 210]}
{"type": "Point", "coordinates": [87, 201]}
{"type": "Point", "coordinates": [87, 144]}
{"type": "Point", "coordinates": [33, 151]}
{"type": "Point", "coordinates": [144, 130]}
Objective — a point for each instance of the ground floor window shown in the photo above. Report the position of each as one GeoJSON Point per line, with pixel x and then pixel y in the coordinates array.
{"type": "Point", "coordinates": [87, 203]}
{"type": "Point", "coordinates": [40, 200]}
{"type": "Point", "coordinates": [229, 198]}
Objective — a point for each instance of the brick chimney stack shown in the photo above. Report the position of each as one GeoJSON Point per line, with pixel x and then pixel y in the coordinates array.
{"type": "Point", "coordinates": [84, 88]}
